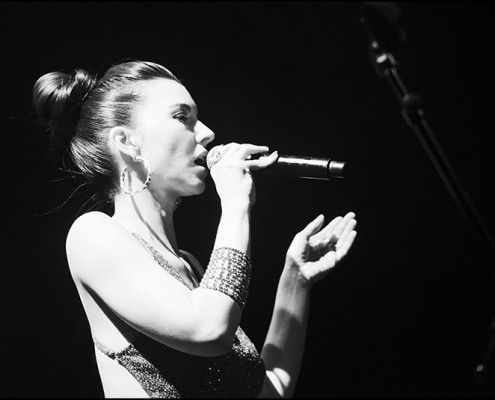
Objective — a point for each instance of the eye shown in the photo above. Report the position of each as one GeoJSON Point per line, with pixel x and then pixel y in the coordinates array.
{"type": "Point", "coordinates": [181, 117]}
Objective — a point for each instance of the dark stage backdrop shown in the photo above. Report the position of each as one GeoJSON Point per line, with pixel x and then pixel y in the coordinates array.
{"type": "Point", "coordinates": [407, 312]}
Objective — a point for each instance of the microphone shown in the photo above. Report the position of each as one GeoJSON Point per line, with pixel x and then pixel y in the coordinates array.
{"type": "Point", "coordinates": [292, 166]}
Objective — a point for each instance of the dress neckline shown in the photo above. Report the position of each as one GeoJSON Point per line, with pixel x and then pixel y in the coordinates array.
{"type": "Point", "coordinates": [166, 264]}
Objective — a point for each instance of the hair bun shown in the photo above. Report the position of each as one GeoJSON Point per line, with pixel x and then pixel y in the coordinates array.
{"type": "Point", "coordinates": [57, 100]}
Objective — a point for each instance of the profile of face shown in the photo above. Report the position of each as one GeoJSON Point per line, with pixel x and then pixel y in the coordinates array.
{"type": "Point", "coordinates": [171, 138]}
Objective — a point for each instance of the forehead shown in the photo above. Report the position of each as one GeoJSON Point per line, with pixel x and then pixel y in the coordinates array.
{"type": "Point", "coordinates": [163, 93]}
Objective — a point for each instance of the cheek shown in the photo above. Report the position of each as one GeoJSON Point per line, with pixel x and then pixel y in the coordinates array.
{"type": "Point", "coordinates": [169, 158]}
{"type": "Point", "coordinates": [159, 144]}
{"type": "Point", "coordinates": [168, 148]}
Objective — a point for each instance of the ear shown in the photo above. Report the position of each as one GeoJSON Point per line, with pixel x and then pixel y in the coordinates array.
{"type": "Point", "coordinates": [123, 140]}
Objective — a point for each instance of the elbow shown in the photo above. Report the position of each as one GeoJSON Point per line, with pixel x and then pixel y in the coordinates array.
{"type": "Point", "coordinates": [224, 341]}
{"type": "Point", "coordinates": [217, 341]}
{"type": "Point", "coordinates": [214, 321]}
{"type": "Point", "coordinates": [220, 347]}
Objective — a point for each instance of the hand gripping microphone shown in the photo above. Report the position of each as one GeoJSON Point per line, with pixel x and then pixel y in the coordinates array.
{"type": "Point", "coordinates": [292, 166]}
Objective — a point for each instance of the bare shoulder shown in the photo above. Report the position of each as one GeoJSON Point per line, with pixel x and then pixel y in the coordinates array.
{"type": "Point", "coordinates": [85, 227]}
{"type": "Point", "coordinates": [91, 236]}
{"type": "Point", "coordinates": [91, 218]}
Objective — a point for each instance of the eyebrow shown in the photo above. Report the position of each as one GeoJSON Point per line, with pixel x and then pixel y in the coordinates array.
{"type": "Point", "coordinates": [184, 106]}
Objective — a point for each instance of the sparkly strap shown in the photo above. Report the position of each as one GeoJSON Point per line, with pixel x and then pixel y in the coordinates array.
{"type": "Point", "coordinates": [104, 350]}
{"type": "Point", "coordinates": [160, 259]}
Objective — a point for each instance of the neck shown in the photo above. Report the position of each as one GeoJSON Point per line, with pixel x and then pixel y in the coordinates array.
{"type": "Point", "coordinates": [150, 218]}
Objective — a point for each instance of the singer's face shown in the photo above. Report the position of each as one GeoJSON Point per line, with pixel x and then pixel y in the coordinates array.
{"type": "Point", "coordinates": [172, 138]}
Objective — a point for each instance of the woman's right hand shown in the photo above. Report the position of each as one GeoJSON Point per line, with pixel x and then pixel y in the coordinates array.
{"type": "Point", "coordinates": [232, 173]}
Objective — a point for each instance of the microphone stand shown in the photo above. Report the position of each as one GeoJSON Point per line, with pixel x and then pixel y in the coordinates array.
{"type": "Point", "coordinates": [411, 108]}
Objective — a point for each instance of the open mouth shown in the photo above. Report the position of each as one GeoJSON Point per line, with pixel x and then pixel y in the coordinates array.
{"type": "Point", "coordinates": [201, 162]}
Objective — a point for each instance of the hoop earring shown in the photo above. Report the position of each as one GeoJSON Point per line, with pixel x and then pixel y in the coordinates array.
{"type": "Point", "coordinates": [146, 183]}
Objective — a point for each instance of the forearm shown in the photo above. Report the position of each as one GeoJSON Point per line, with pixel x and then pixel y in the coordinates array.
{"type": "Point", "coordinates": [283, 349]}
{"type": "Point", "coordinates": [227, 276]}
{"type": "Point", "coordinates": [234, 229]}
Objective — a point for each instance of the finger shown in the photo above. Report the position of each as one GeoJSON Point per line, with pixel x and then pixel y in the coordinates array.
{"type": "Point", "coordinates": [322, 237]}
{"type": "Point", "coordinates": [346, 245]}
{"type": "Point", "coordinates": [331, 257]}
{"type": "Point", "coordinates": [241, 153]}
{"type": "Point", "coordinates": [219, 152]}
{"type": "Point", "coordinates": [341, 226]}
{"type": "Point", "coordinates": [229, 149]}
{"type": "Point", "coordinates": [245, 151]}
{"type": "Point", "coordinates": [313, 227]}
{"type": "Point", "coordinates": [262, 162]}
{"type": "Point", "coordinates": [330, 227]}
{"type": "Point", "coordinates": [348, 228]}
{"type": "Point", "coordinates": [324, 264]}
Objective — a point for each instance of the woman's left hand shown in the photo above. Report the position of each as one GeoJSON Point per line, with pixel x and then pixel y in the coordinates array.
{"type": "Point", "coordinates": [314, 251]}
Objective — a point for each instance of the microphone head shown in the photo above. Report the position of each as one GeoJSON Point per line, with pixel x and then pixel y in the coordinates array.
{"type": "Point", "coordinates": [213, 156]}
{"type": "Point", "coordinates": [336, 169]}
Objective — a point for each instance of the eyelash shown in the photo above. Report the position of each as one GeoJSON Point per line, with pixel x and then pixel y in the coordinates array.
{"type": "Point", "coordinates": [181, 117]}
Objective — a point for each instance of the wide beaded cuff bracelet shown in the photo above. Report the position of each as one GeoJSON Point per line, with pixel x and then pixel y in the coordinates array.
{"type": "Point", "coordinates": [229, 272]}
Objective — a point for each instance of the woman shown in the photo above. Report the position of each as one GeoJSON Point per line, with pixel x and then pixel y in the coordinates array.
{"type": "Point", "coordinates": [135, 134]}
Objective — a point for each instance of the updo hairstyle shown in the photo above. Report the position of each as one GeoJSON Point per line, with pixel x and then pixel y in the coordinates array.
{"type": "Point", "coordinates": [78, 109]}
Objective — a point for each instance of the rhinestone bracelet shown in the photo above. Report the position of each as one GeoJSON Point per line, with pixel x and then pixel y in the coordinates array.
{"type": "Point", "coordinates": [228, 272]}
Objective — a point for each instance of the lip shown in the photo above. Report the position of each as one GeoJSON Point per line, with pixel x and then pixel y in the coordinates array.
{"type": "Point", "coordinates": [202, 172]}
{"type": "Point", "coordinates": [200, 163]}
{"type": "Point", "coordinates": [201, 160]}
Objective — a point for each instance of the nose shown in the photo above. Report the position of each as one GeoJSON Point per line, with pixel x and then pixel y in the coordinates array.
{"type": "Point", "coordinates": [204, 135]}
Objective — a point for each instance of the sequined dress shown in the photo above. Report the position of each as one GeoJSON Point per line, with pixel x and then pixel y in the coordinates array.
{"type": "Point", "coordinates": [168, 373]}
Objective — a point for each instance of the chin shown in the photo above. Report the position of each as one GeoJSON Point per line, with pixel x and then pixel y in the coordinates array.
{"type": "Point", "coordinates": [197, 189]}
{"type": "Point", "coordinates": [202, 188]}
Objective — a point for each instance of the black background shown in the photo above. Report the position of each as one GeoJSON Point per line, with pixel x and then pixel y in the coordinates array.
{"type": "Point", "coordinates": [406, 314]}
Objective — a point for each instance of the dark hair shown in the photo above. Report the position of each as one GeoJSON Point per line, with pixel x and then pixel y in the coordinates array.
{"type": "Point", "coordinates": [78, 108]}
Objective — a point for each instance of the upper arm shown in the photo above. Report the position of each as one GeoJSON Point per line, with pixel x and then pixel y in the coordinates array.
{"type": "Point", "coordinates": [111, 264]}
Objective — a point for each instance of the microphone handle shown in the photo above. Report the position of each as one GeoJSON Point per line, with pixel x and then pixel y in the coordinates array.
{"type": "Point", "coordinates": [305, 167]}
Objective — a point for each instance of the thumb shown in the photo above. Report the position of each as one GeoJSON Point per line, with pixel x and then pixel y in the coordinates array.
{"type": "Point", "coordinates": [313, 227]}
